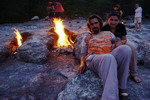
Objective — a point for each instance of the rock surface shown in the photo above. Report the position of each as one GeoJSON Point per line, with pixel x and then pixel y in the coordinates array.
{"type": "Point", "coordinates": [140, 38]}
{"type": "Point", "coordinates": [87, 87]}
{"type": "Point", "coordinates": [21, 81]}
{"type": "Point", "coordinates": [82, 87]}
{"type": "Point", "coordinates": [34, 50]}
{"type": "Point", "coordinates": [56, 79]}
{"type": "Point", "coordinates": [5, 52]}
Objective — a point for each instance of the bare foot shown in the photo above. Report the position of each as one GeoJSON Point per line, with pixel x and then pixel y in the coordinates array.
{"type": "Point", "coordinates": [136, 78]}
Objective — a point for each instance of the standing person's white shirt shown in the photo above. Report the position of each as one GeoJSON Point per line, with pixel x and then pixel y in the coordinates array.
{"type": "Point", "coordinates": [138, 17]}
{"type": "Point", "coordinates": [138, 12]}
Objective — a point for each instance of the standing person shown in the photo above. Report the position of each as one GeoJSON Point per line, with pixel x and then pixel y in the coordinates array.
{"type": "Point", "coordinates": [51, 11]}
{"type": "Point", "coordinates": [116, 9]}
{"type": "Point", "coordinates": [98, 55]}
{"type": "Point", "coordinates": [119, 31]}
{"type": "Point", "coordinates": [59, 9]}
{"type": "Point", "coordinates": [138, 17]}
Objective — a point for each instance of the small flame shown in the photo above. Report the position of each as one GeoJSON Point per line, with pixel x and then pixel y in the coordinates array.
{"type": "Point", "coordinates": [18, 37]}
{"type": "Point", "coordinates": [63, 39]}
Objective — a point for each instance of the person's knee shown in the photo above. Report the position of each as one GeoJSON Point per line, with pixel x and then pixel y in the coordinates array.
{"type": "Point", "coordinates": [124, 49]}
{"type": "Point", "coordinates": [133, 48]}
{"type": "Point", "coordinates": [110, 61]}
{"type": "Point", "coordinates": [109, 56]}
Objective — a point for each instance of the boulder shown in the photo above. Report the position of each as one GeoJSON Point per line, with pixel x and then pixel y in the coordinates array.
{"type": "Point", "coordinates": [144, 51]}
{"type": "Point", "coordinates": [5, 52]}
{"type": "Point", "coordinates": [35, 18]}
{"type": "Point", "coordinates": [86, 86]}
{"type": "Point", "coordinates": [33, 52]}
{"type": "Point", "coordinates": [35, 49]}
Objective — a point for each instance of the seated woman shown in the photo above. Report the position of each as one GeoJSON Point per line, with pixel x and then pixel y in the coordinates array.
{"type": "Point", "coordinates": [119, 31]}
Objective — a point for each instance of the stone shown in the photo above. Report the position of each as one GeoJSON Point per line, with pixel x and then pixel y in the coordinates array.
{"type": "Point", "coordinates": [47, 17]}
{"type": "Point", "coordinates": [35, 18]}
{"type": "Point", "coordinates": [5, 52]}
{"type": "Point", "coordinates": [33, 52]}
{"type": "Point", "coordinates": [86, 86]}
{"type": "Point", "coordinates": [4, 99]}
{"type": "Point", "coordinates": [35, 49]}
{"type": "Point", "coordinates": [144, 53]}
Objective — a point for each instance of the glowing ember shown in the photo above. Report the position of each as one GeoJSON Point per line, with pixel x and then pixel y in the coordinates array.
{"type": "Point", "coordinates": [63, 39]}
{"type": "Point", "coordinates": [18, 37]}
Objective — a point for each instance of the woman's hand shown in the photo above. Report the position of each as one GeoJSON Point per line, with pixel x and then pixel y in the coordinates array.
{"type": "Point", "coordinates": [118, 42]}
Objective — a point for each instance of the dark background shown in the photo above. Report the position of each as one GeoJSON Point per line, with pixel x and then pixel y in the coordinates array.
{"type": "Point", "coordinates": [24, 10]}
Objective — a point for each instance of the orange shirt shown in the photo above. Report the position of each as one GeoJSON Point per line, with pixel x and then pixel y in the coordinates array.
{"type": "Point", "coordinates": [59, 7]}
{"type": "Point", "coordinates": [101, 43]}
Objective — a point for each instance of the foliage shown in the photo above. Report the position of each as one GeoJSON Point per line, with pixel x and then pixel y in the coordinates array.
{"type": "Point", "coordinates": [23, 10]}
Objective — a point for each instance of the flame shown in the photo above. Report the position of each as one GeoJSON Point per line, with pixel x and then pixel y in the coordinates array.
{"type": "Point", "coordinates": [63, 39]}
{"type": "Point", "coordinates": [18, 37]}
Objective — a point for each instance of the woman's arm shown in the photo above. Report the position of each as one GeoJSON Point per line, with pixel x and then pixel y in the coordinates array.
{"type": "Point", "coordinates": [120, 42]}
{"type": "Point", "coordinates": [124, 39]}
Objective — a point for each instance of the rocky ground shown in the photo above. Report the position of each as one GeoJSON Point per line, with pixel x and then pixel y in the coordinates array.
{"type": "Point", "coordinates": [35, 73]}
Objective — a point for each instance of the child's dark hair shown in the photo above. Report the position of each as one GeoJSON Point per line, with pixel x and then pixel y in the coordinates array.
{"type": "Point", "coordinates": [116, 6]}
{"type": "Point", "coordinates": [98, 18]}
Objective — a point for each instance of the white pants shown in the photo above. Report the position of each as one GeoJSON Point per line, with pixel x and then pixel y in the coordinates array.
{"type": "Point", "coordinates": [137, 20]}
{"type": "Point", "coordinates": [113, 69]}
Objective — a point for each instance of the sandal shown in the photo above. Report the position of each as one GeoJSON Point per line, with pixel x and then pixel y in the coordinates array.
{"type": "Point", "coordinates": [123, 94]}
{"type": "Point", "coordinates": [135, 78]}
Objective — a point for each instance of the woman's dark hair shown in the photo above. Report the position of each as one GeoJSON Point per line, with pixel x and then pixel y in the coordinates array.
{"type": "Point", "coordinates": [112, 14]}
{"type": "Point", "coordinates": [98, 18]}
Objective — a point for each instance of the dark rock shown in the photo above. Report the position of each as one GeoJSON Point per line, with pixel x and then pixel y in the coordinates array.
{"type": "Point", "coordinates": [63, 50]}
{"type": "Point", "coordinates": [147, 16]}
{"type": "Point", "coordinates": [50, 44]}
{"type": "Point", "coordinates": [41, 82]}
{"type": "Point", "coordinates": [147, 64]}
{"type": "Point", "coordinates": [5, 52]}
{"type": "Point", "coordinates": [20, 96]}
{"type": "Point", "coordinates": [78, 21]}
{"type": "Point", "coordinates": [4, 99]}
{"type": "Point", "coordinates": [144, 52]}
{"type": "Point", "coordinates": [33, 52]}
{"type": "Point", "coordinates": [130, 26]}
{"type": "Point", "coordinates": [140, 91]}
